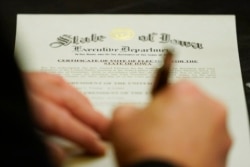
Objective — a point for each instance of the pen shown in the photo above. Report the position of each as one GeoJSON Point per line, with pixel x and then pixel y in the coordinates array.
{"type": "Point", "coordinates": [162, 74]}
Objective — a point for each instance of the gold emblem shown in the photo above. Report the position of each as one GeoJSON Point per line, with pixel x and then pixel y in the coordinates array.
{"type": "Point", "coordinates": [122, 33]}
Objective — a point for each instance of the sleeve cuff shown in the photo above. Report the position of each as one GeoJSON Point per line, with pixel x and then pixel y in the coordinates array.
{"type": "Point", "coordinates": [153, 163]}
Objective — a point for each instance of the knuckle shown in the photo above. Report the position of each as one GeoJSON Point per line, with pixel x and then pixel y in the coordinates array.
{"type": "Point", "coordinates": [123, 113]}
{"type": "Point", "coordinates": [185, 87]}
{"type": "Point", "coordinates": [117, 111]}
{"type": "Point", "coordinates": [58, 80]}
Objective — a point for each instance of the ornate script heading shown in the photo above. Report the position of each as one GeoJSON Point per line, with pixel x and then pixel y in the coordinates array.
{"type": "Point", "coordinates": [66, 39]}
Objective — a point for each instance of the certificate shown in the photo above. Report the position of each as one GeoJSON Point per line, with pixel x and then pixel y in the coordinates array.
{"type": "Point", "coordinates": [112, 59]}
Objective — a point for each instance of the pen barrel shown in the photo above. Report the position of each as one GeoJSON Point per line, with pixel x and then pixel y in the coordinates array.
{"type": "Point", "coordinates": [161, 81]}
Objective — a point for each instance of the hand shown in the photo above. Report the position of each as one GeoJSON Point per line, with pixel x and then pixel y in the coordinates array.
{"type": "Point", "coordinates": [180, 125]}
{"type": "Point", "coordinates": [61, 110]}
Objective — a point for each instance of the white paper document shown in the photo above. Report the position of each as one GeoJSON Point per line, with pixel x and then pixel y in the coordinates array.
{"type": "Point", "coordinates": [112, 60]}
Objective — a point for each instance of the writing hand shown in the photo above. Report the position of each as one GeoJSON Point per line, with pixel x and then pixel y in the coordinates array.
{"type": "Point", "coordinates": [181, 124]}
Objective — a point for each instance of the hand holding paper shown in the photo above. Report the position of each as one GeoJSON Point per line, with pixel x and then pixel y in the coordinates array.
{"type": "Point", "coordinates": [61, 110]}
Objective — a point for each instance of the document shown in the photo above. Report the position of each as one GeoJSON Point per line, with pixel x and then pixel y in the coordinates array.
{"type": "Point", "coordinates": [112, 59]}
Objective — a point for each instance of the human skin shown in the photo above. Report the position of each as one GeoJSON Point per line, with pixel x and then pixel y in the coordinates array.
{"type": "Point", "coordinates": [60, 109]}
{"type": "Point", "coordinates": [182, 125]}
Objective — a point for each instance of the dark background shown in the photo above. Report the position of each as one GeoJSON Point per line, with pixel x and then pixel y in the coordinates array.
{"type": "Point", "coordinates": [240, 8]}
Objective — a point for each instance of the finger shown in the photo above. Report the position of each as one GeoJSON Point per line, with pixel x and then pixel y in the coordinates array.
{"type": "Point", "coordinates": [79, 133]}
{"type": "Point", "coordinates": [59, 91]}
{"type": "Point", "coordinates": [78, 105]}
{"type": "Point", "coordinates": [48, 82]}
{"type": "Point", "coordinates": [86, 113]}
{"type": "Point", "coordinates": [55, 120]}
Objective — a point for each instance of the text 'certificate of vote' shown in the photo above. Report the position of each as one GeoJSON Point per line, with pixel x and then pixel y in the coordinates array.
{"type": "Point", "coordinates": [112, 60]}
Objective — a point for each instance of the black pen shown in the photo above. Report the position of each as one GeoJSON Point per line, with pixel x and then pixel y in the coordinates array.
{"type": "Point", "coordinates": [162, 74]}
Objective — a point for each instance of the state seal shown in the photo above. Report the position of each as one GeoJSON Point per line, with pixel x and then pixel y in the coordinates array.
{"type": "Point", "coordinates": [122, 33]}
